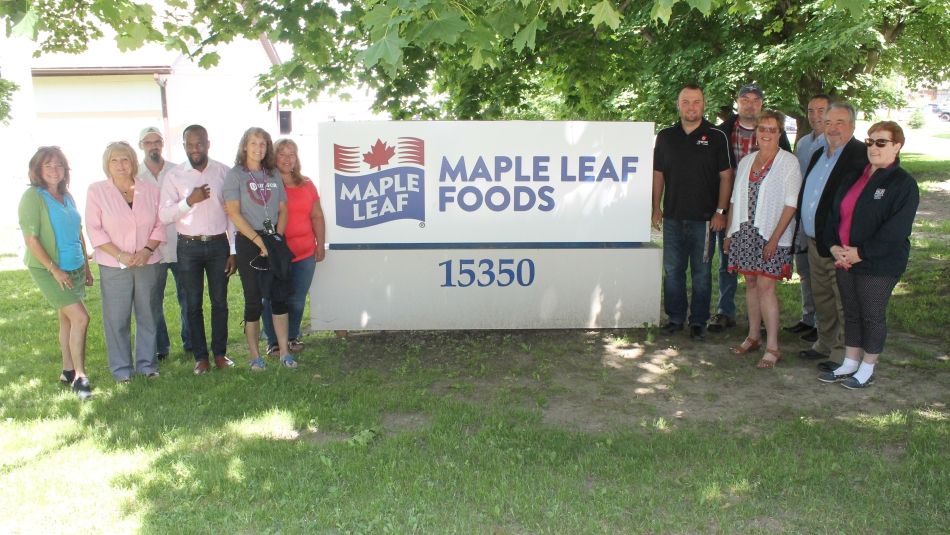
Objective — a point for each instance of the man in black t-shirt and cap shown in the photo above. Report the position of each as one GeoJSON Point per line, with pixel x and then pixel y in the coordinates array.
{"type": "Point", "coordinates": [692, 176]}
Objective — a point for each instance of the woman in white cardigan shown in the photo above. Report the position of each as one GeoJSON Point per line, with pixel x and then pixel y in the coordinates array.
{"type": "Point", "coordinates": [759, 243]}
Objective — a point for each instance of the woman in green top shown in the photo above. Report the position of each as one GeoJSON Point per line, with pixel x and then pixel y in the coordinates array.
{"type": "Point", "coordinates": [56, 258]}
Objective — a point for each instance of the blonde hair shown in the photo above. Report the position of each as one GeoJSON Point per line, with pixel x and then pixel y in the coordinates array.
{"type": "Point", "coordinates": [295, 174]}
{"type": "Point", "coordinates": [120, 147]}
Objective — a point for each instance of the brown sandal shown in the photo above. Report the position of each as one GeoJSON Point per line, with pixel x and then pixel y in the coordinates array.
{"type": "Point", "coordinates": [766, 363]}
{"type": "Point", "coordinates": [746, 346]}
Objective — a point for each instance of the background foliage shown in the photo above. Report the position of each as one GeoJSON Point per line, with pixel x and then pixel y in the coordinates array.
{"type": "Point", "coordinates": [561, 59]}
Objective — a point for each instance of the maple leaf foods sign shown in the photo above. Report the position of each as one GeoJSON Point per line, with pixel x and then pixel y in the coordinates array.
{"type": "Point", "coordinates": [487, 182]}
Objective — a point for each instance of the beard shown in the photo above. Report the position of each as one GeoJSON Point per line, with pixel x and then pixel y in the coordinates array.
{"type": "Point", "coordinates": [199, 162]}
{"type": "Point", "coordinates": [155, 155]}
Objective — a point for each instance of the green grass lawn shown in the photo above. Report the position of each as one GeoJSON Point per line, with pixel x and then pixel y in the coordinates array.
{"type": "Point", "coordinates": [449, 432]}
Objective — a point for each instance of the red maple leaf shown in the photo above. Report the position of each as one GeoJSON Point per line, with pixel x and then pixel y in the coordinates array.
{"type": "Point", "coordinates": [379, 155]}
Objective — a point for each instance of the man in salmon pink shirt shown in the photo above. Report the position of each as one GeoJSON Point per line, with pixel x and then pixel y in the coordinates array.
{"type": "Point", "coordinates": [192, 199]}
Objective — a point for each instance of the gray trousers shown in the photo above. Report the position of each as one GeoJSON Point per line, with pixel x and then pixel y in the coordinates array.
{"type": "Point", "coordinates": [125, 291]}
{"type": "Point", "coordinates": [804, 274]}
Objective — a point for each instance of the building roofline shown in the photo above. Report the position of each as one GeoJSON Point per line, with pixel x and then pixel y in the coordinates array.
{"type": "Point", "coordinates": [100, 71]}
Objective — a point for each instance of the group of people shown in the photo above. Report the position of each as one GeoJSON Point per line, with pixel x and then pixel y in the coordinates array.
{"type": "Point", "coordinates": [202, 221]}
{"type": "Point", "coordinates": [840, 210]}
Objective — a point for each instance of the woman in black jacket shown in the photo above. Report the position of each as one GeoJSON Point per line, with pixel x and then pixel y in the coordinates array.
{"type": "Point", "coordinates": [869, 235]}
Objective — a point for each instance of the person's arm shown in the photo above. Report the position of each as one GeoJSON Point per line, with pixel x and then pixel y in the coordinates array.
{"type": "Point", "coordinates": [281, 218]}
{"type": "Point", "coordinates": [155, 238]}
{"type": "Point", "coordinates": [40, 254]}
{"type": "Point", "coordinates": [98, 235]}
{"type": "Point", "coordinates": [85, 259]}
{"type": "Point", "coordinates": [895, 229]}
{"type": "Point", "coordinates": [719, 221]}
{"type": "Point", "coordinates": [659, 182]}
{"type": "Point", "coordinates": [727, 240]}
{"type": "Point", "coordinates": [319, 229]}
{"type": "Point", "coordinates": [233, 209]}
{"type": "Point", "coordinates": [788, 213]}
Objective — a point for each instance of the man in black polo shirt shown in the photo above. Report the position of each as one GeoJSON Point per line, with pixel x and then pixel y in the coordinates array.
{"type": "Point", "coordinates": [692, 175]}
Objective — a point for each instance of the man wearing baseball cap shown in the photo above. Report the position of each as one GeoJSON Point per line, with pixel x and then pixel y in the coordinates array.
{"type": "Point", "coordinates": [740, 134]}
{"type": "Point", "coordinates": [153, 169]}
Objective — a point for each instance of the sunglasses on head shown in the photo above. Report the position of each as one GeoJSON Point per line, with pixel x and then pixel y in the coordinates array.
{"type": "Point", "coordinates": [878, 142]}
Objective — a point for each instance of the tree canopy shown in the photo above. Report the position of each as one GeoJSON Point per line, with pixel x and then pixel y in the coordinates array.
{"type": "Point", "coordinates": [571, 59]}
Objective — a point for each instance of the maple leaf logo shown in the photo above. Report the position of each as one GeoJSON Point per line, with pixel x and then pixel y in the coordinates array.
{"type": "Point", "coordinates": [379, 155]}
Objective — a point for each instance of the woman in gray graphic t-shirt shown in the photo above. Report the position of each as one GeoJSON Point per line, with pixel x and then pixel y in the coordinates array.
{"type": "Point", "coordinates": [256, 203]}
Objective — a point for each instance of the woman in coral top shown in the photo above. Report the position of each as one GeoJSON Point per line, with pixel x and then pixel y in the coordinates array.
{"type": "Point", "coordinates": [306, 237]}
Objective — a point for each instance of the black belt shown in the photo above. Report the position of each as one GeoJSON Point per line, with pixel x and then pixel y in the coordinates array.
{"type": "Point", "coordinates": [204, 238]}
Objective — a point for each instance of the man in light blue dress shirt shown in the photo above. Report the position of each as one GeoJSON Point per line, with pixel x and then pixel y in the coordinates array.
{"type": "Point", "coordinates": [804, 149]}
{"type": "Point", "coordinates": [843, 157]}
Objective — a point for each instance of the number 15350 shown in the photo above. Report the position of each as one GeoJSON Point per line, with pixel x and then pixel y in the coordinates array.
{"type": "Point", "coordinates": [485, 272]}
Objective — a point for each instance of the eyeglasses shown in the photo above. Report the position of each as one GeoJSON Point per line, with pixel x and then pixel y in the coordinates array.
{"type": "Point", "coordinates": [768, 129]}
{"type": "Point", "coordinates": [878, 142]}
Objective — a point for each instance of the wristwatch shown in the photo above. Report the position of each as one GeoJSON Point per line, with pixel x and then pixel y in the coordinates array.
{"type": "Point", "coordinates": [720, 211]}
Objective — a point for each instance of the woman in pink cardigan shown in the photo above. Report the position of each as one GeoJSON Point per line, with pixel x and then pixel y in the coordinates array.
{"type": "Point", "coordinates": [123, 225]}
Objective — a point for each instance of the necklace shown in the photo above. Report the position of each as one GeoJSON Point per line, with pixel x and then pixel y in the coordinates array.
{"type": "Point", "coordinates": [763, 170]}
{"type": "Point", "coordinates": [127, 192]}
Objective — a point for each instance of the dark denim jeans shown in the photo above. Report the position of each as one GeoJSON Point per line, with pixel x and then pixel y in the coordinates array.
{"type": "Point", "coordinates": [728, 282]}
{"type": "Point", "coordinates": [197, 260]}
{"type": "Point", "coordinates": [301, 274]}
{"type": "Point", "coordinates": [163, 342]}
{"type": "Point", "coordinates": [683, 244]}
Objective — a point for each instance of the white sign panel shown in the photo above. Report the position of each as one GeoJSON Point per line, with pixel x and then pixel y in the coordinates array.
{"type": "Point", "coordinates": [486, 225]}
{"type": "Point", "coordinates": [487, 289]}
{"type": "Point", "coordinates": [486, 182]}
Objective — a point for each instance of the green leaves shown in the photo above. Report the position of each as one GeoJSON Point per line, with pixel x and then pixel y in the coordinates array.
{"type": "Point", "coordinates": [209, 60]}
{"type": "Point", "coordinates": [446, 28]}
{"type": "Point", "coordinates": [526, 37]}
{"type": "Point", "coordinates": [28, 26]}
{"type": "Point", "coordinates": [7, 89]}
{"type": "Point", "coordinates": [662, 10]}
{"type": "Point", "coordinates": [388, 50]}
{"type": "Point", "coordinates": [604, 13]}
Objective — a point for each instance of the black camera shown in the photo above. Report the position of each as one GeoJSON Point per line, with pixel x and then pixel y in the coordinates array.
{"type": "Point", "coordinates": [269, 227]}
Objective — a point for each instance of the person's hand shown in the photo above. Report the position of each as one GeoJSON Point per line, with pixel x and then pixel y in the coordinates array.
{"type": "Point", "coordinates": [199, 194]}
{"type": "Point", "coordinates": [230, 266]}
{"type": "Point", "coordinates": [726, 245]}
{"type": "Point", "coordinates": [850, 255]}
{"type": "Point", "coordinates": [61, 278]}
{"type": "Point", "coordinates": [840, 255]}
{"type": "Point", "coordinates": [657, 218]}
{"type": "Point", "coordinates": [718, 222]}
{"type": "Point", "coordinates": [140, 258]}
{"type": "Point", "coordinates": [321, 252]}
{"type": "Point", "coordinates": [769, 250]}
{"type": "Point", "coordinates": [89, 278]}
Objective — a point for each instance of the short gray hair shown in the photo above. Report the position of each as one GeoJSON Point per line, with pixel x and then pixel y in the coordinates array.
{"type": "Point", "coordinates": [843, 105]}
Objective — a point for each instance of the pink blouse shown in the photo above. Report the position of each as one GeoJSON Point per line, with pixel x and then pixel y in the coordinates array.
{"type": "Point", "coordinates": [109, 219]}
{"type": "Point", "coordinates": [848, 202]}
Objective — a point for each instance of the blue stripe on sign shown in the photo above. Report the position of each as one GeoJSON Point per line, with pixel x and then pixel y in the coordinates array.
{"type": "Point", "coordinates": [490, 245]}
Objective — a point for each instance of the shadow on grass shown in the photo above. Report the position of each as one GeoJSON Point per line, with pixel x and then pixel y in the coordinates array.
{"type": "Point", "coordinates": [522, 431]}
